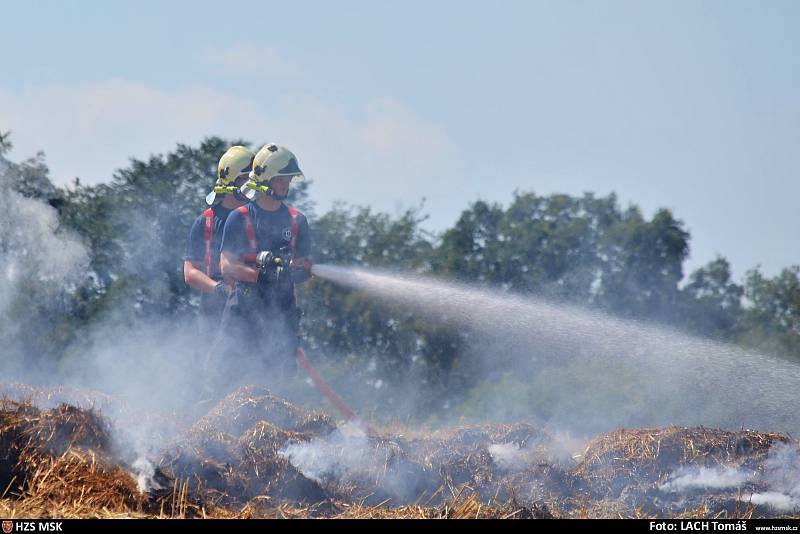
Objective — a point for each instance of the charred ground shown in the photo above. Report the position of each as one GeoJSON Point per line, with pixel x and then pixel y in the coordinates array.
{"type": "Point", "coordinates": [258, 455]}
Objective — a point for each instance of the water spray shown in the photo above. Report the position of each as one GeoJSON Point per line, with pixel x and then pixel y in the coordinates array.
{"type": "Point", "coordinates": [728, 385]}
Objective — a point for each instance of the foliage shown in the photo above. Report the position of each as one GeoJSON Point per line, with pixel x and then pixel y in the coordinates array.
{"type": "Point", "coordinates": [584, 250]}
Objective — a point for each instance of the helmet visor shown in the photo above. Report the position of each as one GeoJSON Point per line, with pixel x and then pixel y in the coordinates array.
{"type": "Point", "coordinates": [291, 169]}
{"type": "Point", "coordinates": [295, 177]}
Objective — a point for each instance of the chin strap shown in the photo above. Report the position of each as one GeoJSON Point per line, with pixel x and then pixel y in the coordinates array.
{"type": "Point", "coordinates": [224, 189]}
{"type": "Point", "coordinates": [253, 187]}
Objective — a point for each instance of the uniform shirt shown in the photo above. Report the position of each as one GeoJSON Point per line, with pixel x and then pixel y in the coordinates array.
{"type": "Point", "coordinates": [273, 231]}
{"type": "Point", "coordinates": [196, 246]}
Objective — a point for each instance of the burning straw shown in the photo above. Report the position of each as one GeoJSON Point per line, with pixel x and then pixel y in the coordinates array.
{"type": "Point", "coordinates": [234, 463]}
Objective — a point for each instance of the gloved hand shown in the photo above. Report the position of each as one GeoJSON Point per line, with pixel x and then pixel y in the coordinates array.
{"type": "Point", "coordinates": [222, 290]}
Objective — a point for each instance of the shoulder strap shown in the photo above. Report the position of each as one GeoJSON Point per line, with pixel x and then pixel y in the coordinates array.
{"type": "Point", "coordinates": [208, 236]}
{"type": "Point", "coordinates": [250, 233]}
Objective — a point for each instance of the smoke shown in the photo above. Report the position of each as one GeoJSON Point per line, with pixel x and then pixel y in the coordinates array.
{"type": "Point", "coordinates": [782, 474]}
{"type": "Point", "coordinates": [40, 264]}
{"type": "Point", "coordinates": [779, 501]}
{"type": "Point", "coordinates": [145, 471]}
{"type": "Point", "coordinates": [348, 457]}
{"type": "Point", "coordinates": [557, 448]}
{"type": "Point", "coordinates": [688, 478]}
{"type": "Point", "coordinates": [344, 453]}
{"type": "Point", "coordinates": [152, 365]}
{"type": "Point", "coordinates": [509, 456]}
{"type": "Point", "coordinates": [779, 480]}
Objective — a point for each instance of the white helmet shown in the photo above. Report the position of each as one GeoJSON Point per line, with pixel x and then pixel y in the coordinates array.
{"type": "Point", "coordinates": [236, 161]}
{"type": "Point", "coordinates": [271, 161]}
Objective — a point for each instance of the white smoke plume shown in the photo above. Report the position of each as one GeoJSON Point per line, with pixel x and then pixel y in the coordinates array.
{"type": "Point", "coordinates": [687, 478]}
{"type": "Point", "coordinates": [121, 368]}
{"type": "Point", "coordinates": [780, 476]}
{"type": "Point", "coordinates": [777, 500]}
{"type": "Point", "coordinates": [36, 257]}
{"type": "Point", "coordinates": [349, 457]}
{"type": "Point", "coordinates": [558, 448]}
{"type": "Point", "coordinates": [783, 468]}
{"type": "Point", "coordinates": [40, 265]}
{"type": "Point", "coordinates": [346, 452]}
{"type": "Point", "coordinates": [145, 471]}
{"type": "Point", "coordinates": [509, 456]}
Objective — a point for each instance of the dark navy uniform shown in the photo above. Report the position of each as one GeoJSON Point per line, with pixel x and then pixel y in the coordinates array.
{"type": "Point", "coordinates": [273, 231]}
{"type": "Point", "coordinates": [211, 305]}
{"type": "Point", "coordinates": [268, 314]}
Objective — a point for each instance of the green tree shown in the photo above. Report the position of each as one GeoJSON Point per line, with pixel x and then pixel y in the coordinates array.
{"type": "Point", "coordinates": [30, 177]}
{"type": "Point", "coordinates": [714, 305]}
{"type": "Point", "coordinates": [583, 250]}
{"type": "Point", "coordinates": [772, 318]}
{"type": "Point", "coordinates": [642, 265]}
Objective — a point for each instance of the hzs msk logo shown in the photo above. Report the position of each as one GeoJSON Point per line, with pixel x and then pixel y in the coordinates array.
{"type": "Point", "coordinates": [8, 526]}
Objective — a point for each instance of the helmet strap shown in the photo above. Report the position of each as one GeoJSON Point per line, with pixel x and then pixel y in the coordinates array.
{"type": "Point", "coordinates": [238, 195]}
{"type": "Point", "coordinates": [271, 192]}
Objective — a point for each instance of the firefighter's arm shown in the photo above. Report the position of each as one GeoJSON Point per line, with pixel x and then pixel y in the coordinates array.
{"type": "Point", "coordinates": [196, 278]}
{"type": "Point", "coordinates": [233, 268]}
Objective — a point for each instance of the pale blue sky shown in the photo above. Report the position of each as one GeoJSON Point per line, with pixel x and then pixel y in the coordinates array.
{"type": "Point", "coordinates": [694, 106]}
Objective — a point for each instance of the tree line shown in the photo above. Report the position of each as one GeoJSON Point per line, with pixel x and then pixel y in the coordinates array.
{"type": "Point", "coordinates": [585, 250]}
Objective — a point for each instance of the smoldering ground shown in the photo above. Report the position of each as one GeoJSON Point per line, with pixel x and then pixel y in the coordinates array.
{"type": "Point", "coordinates": [253, 449]}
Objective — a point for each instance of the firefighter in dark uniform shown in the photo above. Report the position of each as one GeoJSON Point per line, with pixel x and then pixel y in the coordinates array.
{"type": "Point", "coordinates": [201, 269]}
{"type": "Point", "coordinates": [266, 248]}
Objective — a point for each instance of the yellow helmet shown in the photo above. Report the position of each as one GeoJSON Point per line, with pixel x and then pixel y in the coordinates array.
{"type": "Point", "coordinates": [271, 161]}
{"type": "Point", "coordinates": [235, 162]}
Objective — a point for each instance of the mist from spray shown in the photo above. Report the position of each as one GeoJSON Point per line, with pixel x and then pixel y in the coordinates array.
{"type": "Point", "coordinates": [679, 379]}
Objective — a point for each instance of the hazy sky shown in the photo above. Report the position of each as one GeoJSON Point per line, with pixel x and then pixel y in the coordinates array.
{"type": "Point", "coordinates": [693, 106]}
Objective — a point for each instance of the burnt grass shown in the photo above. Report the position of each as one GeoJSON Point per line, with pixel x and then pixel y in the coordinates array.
{"type": "Point", "coordinates": [257, 455]}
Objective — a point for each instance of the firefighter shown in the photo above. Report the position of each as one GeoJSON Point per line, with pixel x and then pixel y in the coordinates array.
{"type": "Point", "coordinates": [266, 247]}
{"type": "Point", "coordinates": [201, 269]}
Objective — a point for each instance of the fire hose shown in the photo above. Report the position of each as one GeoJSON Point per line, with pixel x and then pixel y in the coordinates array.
{"type": "Point", "coordinates": [320, 383]}
{"type": "Point", "coordinates": [328, 391]}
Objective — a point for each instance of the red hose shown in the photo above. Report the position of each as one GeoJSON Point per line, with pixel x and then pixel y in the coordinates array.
{"type": "Point", "coordinates": [324, 388]}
